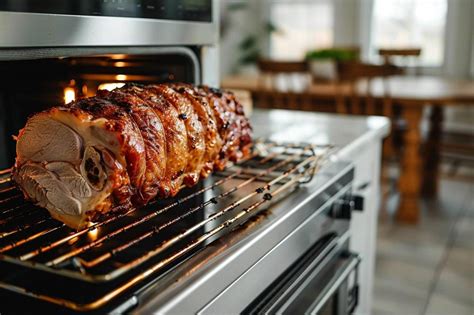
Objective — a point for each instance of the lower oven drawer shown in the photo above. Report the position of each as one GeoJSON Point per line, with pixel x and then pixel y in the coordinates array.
{"type": "Point", "coordinates": [323, 281]}
{"type": "Point", "coordinates": [332, 292]}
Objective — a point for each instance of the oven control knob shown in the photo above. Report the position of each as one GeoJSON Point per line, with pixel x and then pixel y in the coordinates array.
{"type": "Point", "coordinates": [342, 209]}
{"type": "Point", "coordinates": [358, 202]}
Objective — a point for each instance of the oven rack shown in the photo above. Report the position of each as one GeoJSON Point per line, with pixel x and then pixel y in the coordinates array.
{"type": "Point", "coordinates": [125, 251]}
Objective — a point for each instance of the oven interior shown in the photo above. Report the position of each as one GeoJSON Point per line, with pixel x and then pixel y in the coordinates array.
{"type": "Point", "coordinates": [29, 86]}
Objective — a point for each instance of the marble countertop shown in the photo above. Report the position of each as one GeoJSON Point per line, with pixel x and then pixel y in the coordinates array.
{"type": "Point", "coordinates": [347, 132]}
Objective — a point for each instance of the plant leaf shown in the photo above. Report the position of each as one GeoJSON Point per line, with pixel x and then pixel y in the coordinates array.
{"type": "Point", "coordinates": [338, 54]}
{"type": "Point", "coordinates": [250, 57]}
{"type": "Point", "coordinates": [248, 42]}
{"type": "Point", "coordinates": [270, 27]}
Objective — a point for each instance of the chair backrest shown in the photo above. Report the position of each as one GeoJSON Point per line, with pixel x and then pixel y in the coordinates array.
{"type": "Point", "coordinates": [388, 54]}
{"type": "Point", "coordinates": [284, 76]}
{"type": "Point", "coordinates": [280, 83]}
{"type": "Point", "coordinates": [273, 66]}
{"type": "Point", "coordinates": [350, 71]}
{"type": "Point", "coordinates": [359, 76]}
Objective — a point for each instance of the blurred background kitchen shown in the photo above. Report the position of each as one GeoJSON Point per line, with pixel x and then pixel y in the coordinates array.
{"type": "Point", "coordinates": [411, 61]}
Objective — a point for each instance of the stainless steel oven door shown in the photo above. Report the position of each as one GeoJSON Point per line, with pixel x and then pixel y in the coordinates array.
{"type": "Point", "coordinates": [323, 281]}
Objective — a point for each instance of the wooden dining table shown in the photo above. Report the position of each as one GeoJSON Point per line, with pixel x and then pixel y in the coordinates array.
{"type": "Point", "coordinates": [419, 164]}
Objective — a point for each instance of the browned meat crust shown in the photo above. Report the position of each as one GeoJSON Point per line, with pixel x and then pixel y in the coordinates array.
{"type": "Point", "coordinates": [137, 142]}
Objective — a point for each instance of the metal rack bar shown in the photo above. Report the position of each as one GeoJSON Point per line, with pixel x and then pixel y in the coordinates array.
{"type": "Point", "coordinates": [14, 208]}
{"type": "Point", "coordinates": [6, 171]}
{"type": "Point", "coordinates": [5, 180]}
{"type": "Point", "coordinates": [7, 189]}
{"type": "Point", "coordinates": [10, 198]}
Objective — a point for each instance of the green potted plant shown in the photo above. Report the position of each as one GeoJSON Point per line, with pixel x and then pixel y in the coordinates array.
{"type": "Point", "coordinates": [323, 62]}
{"type": "Point", "coordinates": [249, 44]}
{"type": "Point", "coordinates": [250, 47]}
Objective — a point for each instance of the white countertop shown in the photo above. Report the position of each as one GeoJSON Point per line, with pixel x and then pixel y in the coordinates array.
{"type": "Point", "coordinates": [347, 132]}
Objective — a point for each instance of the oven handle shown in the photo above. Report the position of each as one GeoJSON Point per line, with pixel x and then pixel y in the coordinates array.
{"type": "Point", "coordinates": [352, 262]}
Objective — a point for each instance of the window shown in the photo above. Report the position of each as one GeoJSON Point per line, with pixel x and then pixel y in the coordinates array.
{"type": "Point", "coordinates": [410, 23]}
{"type": "Point", "coordinates": [301, 26]}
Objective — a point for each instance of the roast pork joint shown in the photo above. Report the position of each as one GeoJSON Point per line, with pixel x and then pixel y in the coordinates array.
{"type": "Point", "coordinates": [99, 156]}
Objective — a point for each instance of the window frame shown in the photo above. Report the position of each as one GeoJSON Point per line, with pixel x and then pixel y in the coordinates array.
{"type": "Point", "coordinates": [268, 16]}
{"type": "Point", "coordinates": [369, 46]}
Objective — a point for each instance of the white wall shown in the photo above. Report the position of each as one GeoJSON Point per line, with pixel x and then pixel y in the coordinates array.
{"type": "Point", "coordinates": [472, 47]}
{"type": "Point", "coordinates": [346, 23]}
{"type": "Point", "coordinates": [459, 59]}
{"type": "Point", "coordinates": [458, 41]}
{"type": "Point", "coordinates": [237, 25]}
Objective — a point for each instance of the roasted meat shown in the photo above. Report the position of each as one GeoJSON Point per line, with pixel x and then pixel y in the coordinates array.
{"type": "Point", "coordinates": [101, 155]}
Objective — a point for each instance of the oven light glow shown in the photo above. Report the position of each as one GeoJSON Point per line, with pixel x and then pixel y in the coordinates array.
{"type": "Point", "coordinates": [118, 56]}
{"type": "Point", "coordinates": [69, 95]}
{"type": "Point", "coordinates": [92, 234]}
{"type": "Point", "coordinates": [121, 77]}
{"type": "Point", "coordinates": [120, 64]}
{"type": "Point", "coordinates": [110, 86]}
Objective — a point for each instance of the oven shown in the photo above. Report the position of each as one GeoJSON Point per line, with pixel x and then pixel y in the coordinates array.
{"type": "Point", "coordinates": [267, 235]}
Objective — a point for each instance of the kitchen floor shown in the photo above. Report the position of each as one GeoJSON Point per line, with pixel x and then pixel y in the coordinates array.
{"type": "Point", "coordinates": [428, 268]}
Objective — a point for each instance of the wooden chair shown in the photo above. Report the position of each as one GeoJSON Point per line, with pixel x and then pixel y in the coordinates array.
{"type": "Point", "coordinates": [277, 84]}
{"type": "Point", "coordinates": [274, 66]}
{"type": "Point", "coordinates": [458, 148]}
{"type": "Point", "coordinates": [270, 69]}
{"type": "Point", "coordinates": [388, 54]}
{"type": "Point", "coordinates": [360, 77]}
{"type": "Point", "coordinates": [453, 146]}
{"type": "Point", "coordinates": [408, 53]}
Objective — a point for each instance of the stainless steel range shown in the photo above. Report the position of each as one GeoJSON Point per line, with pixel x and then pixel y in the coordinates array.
{"type": "Point", "coordinates": [268, 235]}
